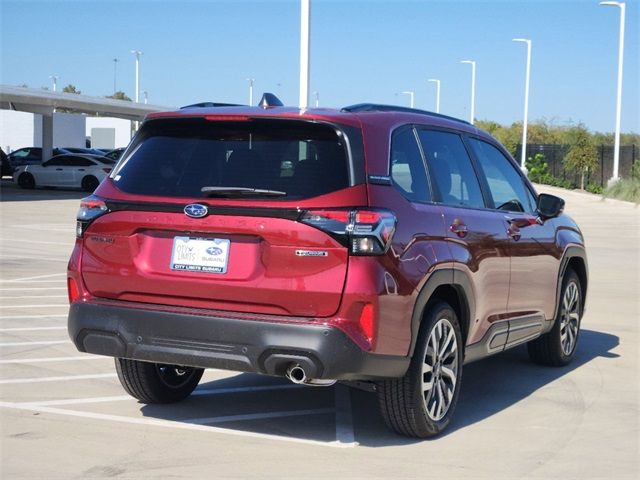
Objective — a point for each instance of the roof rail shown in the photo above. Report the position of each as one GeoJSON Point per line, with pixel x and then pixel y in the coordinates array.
{"type": "Point", "coordinates": [375, 107]}
{"type": "Point", "coordinates": [211, 104]}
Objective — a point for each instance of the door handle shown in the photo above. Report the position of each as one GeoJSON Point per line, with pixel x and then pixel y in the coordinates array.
{"type": "Point", "coordinates": [81, 169]}
{"type": "Point", "coordinates": [459, 228]}
{"type": "Point", "coordinates": [514, 232]}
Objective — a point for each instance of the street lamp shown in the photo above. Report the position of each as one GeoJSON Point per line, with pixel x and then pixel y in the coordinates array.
{"type": "Point", "coordinates": [305, 19]}
{"type": "Point", "coordinates": [55, 81]}
{"type": "Point", "coordinates": [473, 87]}
{"type": "Point", "coordinates": [146, 97]}
{"type": "Point", "coordinates": [317, 95]}
{"type": "Point", "coordinates": [616, 149]}
{"type": "Point", "coordinates": [437, 82]}
{"type": "Point", "coordinates": [526, 103]}
{"type": "Point", "coordinates": [137, 53]}
{"type": "Point", "coordinates": [115, 69]}
{"type": "Point", "coordinates": [251, 80]}
{"type": "Point", "coordinates": [410, 93]}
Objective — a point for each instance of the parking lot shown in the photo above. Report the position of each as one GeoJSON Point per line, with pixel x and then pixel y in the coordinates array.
{"type": "Point", "coordinates": [64, 414]}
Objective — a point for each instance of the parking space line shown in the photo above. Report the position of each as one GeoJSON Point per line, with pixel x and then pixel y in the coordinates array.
{"type": "Point", "coordinates": [170, 424]}
{"type": "Point", "coordinates": [23, 279]}
{"type": "Point", "coordinates": [34, 296]}
{"type": "Point", "coordinates": [40, 242]}
{"type": "Point", "coordinates": [199, 392]}
{"type": "Point", "coordinates": [36, 306]}
{"type": "Point", "coordinates": [53, 359]}
{"type": "Point", "coordinates": [30, 329]}
{"type": "Point", "coordinates": [57, 379]}
{"type": "Point", "coordinates": [28, 344]}
{"type": "Point", "coordinates": [19, 317]}
{"type": "Point", "coordinates": [344, 420]}
{"type": "Point", "coordinates": [21, 289]}
{"type": "Point", "coordinates": [42, 258]}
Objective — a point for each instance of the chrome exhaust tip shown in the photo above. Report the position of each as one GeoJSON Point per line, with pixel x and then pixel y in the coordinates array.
{"type": "Point", "coordinates": [296, 374]}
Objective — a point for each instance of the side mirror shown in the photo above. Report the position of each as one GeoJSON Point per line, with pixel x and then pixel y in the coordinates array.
{"type": "Point", "coordinates": [549, 206]}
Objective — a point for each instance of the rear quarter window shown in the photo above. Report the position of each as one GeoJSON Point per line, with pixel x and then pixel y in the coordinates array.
{"type": "Point", "coordinates": [179, 157]}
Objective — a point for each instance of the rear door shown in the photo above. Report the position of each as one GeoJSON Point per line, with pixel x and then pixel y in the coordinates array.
{"type": "Point", "coordinates": [476, 235]}
{"type": "Point", "coordinates": [168, 241]}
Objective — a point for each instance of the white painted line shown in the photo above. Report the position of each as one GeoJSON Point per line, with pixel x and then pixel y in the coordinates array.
{"type": "Point", "coordinates": [65, 244]}
{"type": "Point", "coordinates": [22, 289]}
{"type": "Point", "coordinates": [41, 258]}
{"type": "Point", "coordinates": [344, 420]}
{"type": "Point", "coordinates": [57, 379]}
{"type": "Point", "coordinates": [30, 329]}
{"type": "Point", "coordinates": [28, 344]}
{"type": "Point", "coordinates": [198, 392]}
{"type": "Point", "coordinates": [18, 317]}
{"type": "Point", "coordinates": [169, 424]}
{"type": "Point", "coordinates": [54, 359]}
{"type": "Point", "coordinates": [22, 279]}
{"type": "Point", "coordinates": [36, 306]}
{"type": "Point", "coordinates": [258, 416]}
{"type": "Point", "coordinates": [34, 296]}
{"type": "Point", "coordinates": [29, 282]}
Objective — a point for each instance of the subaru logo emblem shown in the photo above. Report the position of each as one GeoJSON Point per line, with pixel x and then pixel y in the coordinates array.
{"type": "Point", "coordinates": [195, 210]}
{"type": "Point", "coordinates": [214, 251]}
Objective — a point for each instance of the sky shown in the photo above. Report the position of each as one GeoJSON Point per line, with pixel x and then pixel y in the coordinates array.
{"type": "Point", "coordinates": [361, 51]}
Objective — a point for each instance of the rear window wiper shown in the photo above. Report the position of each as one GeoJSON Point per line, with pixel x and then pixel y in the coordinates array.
{"type": "Point", "coordinates": [240, 192]}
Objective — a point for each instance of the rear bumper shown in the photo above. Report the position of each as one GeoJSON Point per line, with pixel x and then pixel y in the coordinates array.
{"type": "Point", "coordinates": [226, 343]}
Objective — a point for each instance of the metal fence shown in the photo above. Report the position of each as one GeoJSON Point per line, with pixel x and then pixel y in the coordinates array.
{"type": "Point", "coordinates": [554, 154]}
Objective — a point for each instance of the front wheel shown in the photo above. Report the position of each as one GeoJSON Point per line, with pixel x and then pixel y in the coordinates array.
{"type": "Point", "coordinates": [421, 404]}
{"type": "Point", "coordinates": [558, 346]}
{"type": "Point", "coordinates": [26, 180]}
{"type": "Point", "coordinates": [157, 382]}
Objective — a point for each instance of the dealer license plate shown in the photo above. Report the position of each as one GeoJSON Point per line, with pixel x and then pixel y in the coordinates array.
{"type": "Point", "coordinates": [200, 254]}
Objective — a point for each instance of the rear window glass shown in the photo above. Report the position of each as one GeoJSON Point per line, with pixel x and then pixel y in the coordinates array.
{"type": "Point", "coordinates": [180, 157]}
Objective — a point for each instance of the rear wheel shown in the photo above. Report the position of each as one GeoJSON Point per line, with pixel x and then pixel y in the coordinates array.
{"type": "Point", "coordinates": [157, 382]}
{"type": "Point", "coordinates": [421, 404]}
{"type": "Point", "coordinates": [90, 183]}
{"type": "Point", "coordinates": [26, 180]}
{"type": "Point", "coordinates": [558, 347]}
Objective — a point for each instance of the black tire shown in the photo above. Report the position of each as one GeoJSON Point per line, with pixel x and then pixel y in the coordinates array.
{"type": "Point", "coordinates": [26, 180]}
{"type": "Point", "coordinates": [157, 383]}
{"type": "Point", "coordinates": [403, 402]}
{"type": "Point", "coordinates": [90, 183]}
{"type": "Point", "coordinates": [551, 348]}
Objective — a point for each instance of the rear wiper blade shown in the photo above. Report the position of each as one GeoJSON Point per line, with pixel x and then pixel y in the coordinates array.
{"type": "Point", "coordinates": [240, 192]}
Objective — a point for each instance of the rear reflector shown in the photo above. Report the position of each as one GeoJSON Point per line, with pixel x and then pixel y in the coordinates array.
{"type": "Point", "coordinates": [72, 289]}
{"type": "Point", "coordinates": [367, 323]}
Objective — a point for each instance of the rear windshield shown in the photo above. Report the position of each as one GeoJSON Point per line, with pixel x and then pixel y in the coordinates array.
{"type": "Point", "coordinates": [181, 157]}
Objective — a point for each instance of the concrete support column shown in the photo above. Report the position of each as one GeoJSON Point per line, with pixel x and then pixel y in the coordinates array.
{"type": "Point", "coordinates": [47, 136]}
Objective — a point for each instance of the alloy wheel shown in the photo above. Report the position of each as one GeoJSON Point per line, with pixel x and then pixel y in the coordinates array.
{"type": "Point", "coordinates": [569, 319]}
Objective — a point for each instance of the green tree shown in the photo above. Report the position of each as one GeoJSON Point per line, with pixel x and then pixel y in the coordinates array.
{"type": "Point", "coordinates": [583, 154]}
{"type": "Point", "coordinates": [119, 95]}
{"type": "Point", "coordinates": [71, 89]}
{"type": "Point", "coordinates": [538, 168]}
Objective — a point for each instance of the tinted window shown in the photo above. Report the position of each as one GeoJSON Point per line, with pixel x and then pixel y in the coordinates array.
{"type": "Point", "coordinates": [407, 168]}
{"type": "Point", "coordinates": [505, 183]}
{"type": "Point", "coordinates": [79, 162]}
{"type": "Point", "coordinates": [451, 169]}
{"type": "Point", "coordinates": [179, 157]}
{"type": "Point", "coordinates": [56, 162]}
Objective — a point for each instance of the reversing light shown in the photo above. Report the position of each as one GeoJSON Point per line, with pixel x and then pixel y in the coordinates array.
{"type": "Point", "coordinates": [91, 207]}
{"type": "Point", "coordinates": [363, 231]}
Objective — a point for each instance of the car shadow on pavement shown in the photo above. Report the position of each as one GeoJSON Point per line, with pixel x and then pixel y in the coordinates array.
{"type": "Point", "coordinates": [10, 192]}
{"type": "Point", "coordinates": [489, 387]}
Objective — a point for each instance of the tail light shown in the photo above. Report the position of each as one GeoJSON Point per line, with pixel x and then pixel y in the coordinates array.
{"type": "Point", "coordinates": [91, 208]}
{"type": "Point", "coordinates": [363, 231]}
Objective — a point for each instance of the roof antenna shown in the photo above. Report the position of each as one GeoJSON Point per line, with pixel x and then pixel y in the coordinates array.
{"type": "Point", "coordinates": [270, 100]}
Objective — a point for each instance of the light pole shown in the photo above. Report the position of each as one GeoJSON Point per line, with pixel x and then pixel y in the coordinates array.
{"type": "Point", "coordinates": [115, 69]}
{"type": "Point", "coordinates": [473, 87]}
{"type": "Point", "coordinates": [305, 17]}
{"type": "Point", "coordinates": [616, 149]}
{"type": "Point", "coordinates": [146, 96]}
{"type": "Point", "coordinates": [317, 95]}
{"type": "Point", "coordinates": [55, 81]}
{"type": "Point", "coordinates": [523, 165]}
{"type": "Point", "coordinates": [250, 80]}
{"type": "Point", "coordinates": [410, 93]}
{"type": "Point", "coordinates": [437, 82]}
{"type": "Point", "coordinates": [137, 53]}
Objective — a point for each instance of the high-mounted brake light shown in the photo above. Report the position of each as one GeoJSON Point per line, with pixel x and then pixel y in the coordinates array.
{"type": "Point", "coordinates": [363, 231]}
{"type": "Point", "coordinates": [91, 207]}
{"type": "Point", "coordinates": [227, 118]}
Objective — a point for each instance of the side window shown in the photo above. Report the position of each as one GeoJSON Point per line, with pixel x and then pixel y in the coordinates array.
{"type": "Point", "coordinates": [451, 169]}
{"type": "Point", "coordinates": [55, 162]}
{"type": "Point", "coordinates": [79, 162]}
{"type": "Point", "coordinates": [407, 168]}
{"type": "Point", "coordinates": [505, 183]}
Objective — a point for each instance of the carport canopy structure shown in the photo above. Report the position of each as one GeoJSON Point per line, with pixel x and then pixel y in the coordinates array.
{"type": "Point", "coordinates": [45, 102]}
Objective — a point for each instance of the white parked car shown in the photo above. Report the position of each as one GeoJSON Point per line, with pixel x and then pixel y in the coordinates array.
{"type": "Point", "coordinates": [70, 171]}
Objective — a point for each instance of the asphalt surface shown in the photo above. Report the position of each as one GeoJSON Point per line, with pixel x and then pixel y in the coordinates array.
{"type": "Point", "coordinates": [64, 415]}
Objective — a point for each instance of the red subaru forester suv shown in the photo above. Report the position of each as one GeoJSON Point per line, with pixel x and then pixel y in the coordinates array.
{"type": "Point", "coordinates": [373, 243]}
